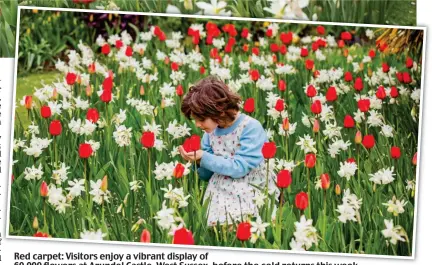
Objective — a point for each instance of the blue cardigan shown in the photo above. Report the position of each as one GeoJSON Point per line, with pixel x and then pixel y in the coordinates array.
{"type": "Point", "coordinates": [247, 157]}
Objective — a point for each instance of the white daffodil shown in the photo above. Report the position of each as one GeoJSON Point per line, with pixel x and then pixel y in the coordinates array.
{"type": "Point", "coordinates": [215, 7]}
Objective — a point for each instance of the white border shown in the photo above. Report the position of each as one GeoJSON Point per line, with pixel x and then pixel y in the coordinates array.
{"type": "Point", "coordinates": [414, 241]}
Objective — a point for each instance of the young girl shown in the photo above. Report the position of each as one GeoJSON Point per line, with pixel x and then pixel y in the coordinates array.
{"type": "Point", "coordinates": [231, 158]}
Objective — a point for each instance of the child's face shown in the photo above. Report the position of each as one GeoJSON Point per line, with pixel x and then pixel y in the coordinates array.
{"type": "Point", "coordinates": [208, 125]}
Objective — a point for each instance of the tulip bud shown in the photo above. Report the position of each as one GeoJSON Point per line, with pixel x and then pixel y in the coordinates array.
{"type": "Point", "coordinates": [337, 189]}
{"type": "Point", "coordinates": [358, 137]}
{"type": "Point", "coordinates": [414, 159]}
{"type": "Point", "coordinates": [142, 90]}
{"type": "Point", "coordinates": [55, 94]}
{"type": "Point", "coordinates": [325, 181]}
{"type": "Point", "coordinates": [28, 102]}
{"type": "Point", "coordinates": [345, 52]}
{"type": "Point", "coordinates": [316, 126]}
{"type": "Point", "coordinates": [163, 103]}
{"type": "Point", "coordinates": [88, 91]}
{"type": "Point", "coordinates": [178, 171]}
{"type": "Point", "coordinates": [285, 124]}
{"type": "Point", "coordinates": [145, 236]}
{"type": "Point", "coordinates": [43, 189]}
{"type": "Point", "coordinates": [35, 224]}
{"type": "Point", "coordinates": [369, 71]}
{"type": "Point", "coordinates": [104, 184]}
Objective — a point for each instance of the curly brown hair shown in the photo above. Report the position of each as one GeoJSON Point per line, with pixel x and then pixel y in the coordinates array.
{"type": "Point", "coordinates": [211, 98]}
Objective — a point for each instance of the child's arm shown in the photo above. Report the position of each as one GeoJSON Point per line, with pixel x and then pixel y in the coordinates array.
{"type": "Point", "coordinates": [204, 173]}
{"type": "Point", "coordinates": [247, 157]}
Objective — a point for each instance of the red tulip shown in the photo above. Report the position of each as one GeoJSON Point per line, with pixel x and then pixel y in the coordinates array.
{"type": "Point", "coordinates": [192, 143]}
{"type": "Point", "coordinates": [145, 236]}
{"type": "Point", "coordinates": [286, 37]}
{"type": "Point", "coordinates": [92, 115]}
{"type": "Point", "coordinates": [183, 236]}
{"type": "Point", "coordinates": [231, 41]}
{"type": "Point", "coordinates": [309, 64]}
{"type": "Point", "coordinates": [409, 62]}
{"type": "Point", "coordinates": [385, 67]}
{"type": "Point", "coordinates": [325, 181]}
{"type": "Point", "coordinates": [315, 46]}
{"type": "Point", "coordinates": [363, 105]}
{"type": "Point", "coordinates": [255, 50]}
{"type": "Point", "coordinates": [283, 179]}
{"type": "Point", "coordinates": [283, 49]}
{"type": "Point", "coordinates": [40, 234]}
{"type": "Point", "coordinates": [368, 141]}
{"type": "Point", "coordinates": [320, 30]}
{"type": "Point", "coordinates": [395, 152]}
{"type": "Point", "coordinates": [372, 54]}
{"type": "Point", "coordinates": [394, 93]}
{"type": "Point", "coordinates": [316, 107]}
{"type": "Point", "coordinates": [174, 66]}
{"type": "Point", "coordinates": [28, 102]}
{"type": "Point", "coordinates": [331, 94]}
{"type": "Point", "coordinates": [358, 85]}
{"type": "Point", "coordinates": [245, 47]}
{"type": "Point", "coordinates": [85, 150]}
{"type": "Point", "coordinates": [274, 47]}
{"type": "Point", "coordinates": [71, 78]}
{"type": "Point", "coordinates": [311, 91]}
{"type": "Point", "coordinates": [351, 160]}
{"type": "Point", "coordinates": [202, 70]}
{"type": "Point", "coordinates": [279, 105]}
{"type": "Point", "coordinates": [399, 76]}
{"type": "Point", "coordinates": [179, 90]}
{"type": "Point", "coordinates": [128, 51]}
{"type": "Point", "coordinates": [348, 77]}
{"type": "Point", "coordinates": [178, 171]}
{"type": "Point", "coordinates": [269, 33]}
{"type": "Point", "coordinates": [249, 105]}
{"type": "Point", "coordinates": [108, 83]}
{"type": "Point", "coordinates": [406, 78]}
{"type": "Point", "coordinates": [310, 160]}
{"type": "Point", "coordinates": [45, 112]}
{"type": "Point", "coordinates": [414, 159]}
{"type": "Point", "coordinates": [346, 35]}
{"type": "Point", "coordinates": [349, 121]}
{"type": "Point", "coordinates": [282, 85]}
{"type": "Point", "coordinates": [55, 128]}
{"type": "Point", "coordinates": [244, 33]}
{"type": "Point", "coordinates": [119, 44]}
{"type": "Point", "coordinates": [148, 139]}
{"type": "Point", "coordinates": [244, 231]}
{"type": "Point", "coordinates": [381, 93]}
{"type": "Point", "coordinates": [304, 52]}
{"type": "Point", "coordinates": [301, 200]}
{"type": "Point", "coordinates": [382, 46]}
{"type": "Point", "coordinates": [106, 49]}
{"type": "Point", "coordinates": [254, 74]}
{"type": "Point", "coordinates": [106, 96]}
{"type": "Point", "coordinates": [43, 189]}
{"type": "Point", "coordinates": [268, 150]}
{"type": "Point", "coordinates": [341, 43]}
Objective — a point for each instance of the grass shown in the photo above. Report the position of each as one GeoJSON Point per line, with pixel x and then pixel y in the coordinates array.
{"type": "Point", "coordinates": [25, 86]}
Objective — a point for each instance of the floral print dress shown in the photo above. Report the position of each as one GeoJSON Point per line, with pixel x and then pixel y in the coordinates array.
{"type": "Point", "coordinates": [230, 198]}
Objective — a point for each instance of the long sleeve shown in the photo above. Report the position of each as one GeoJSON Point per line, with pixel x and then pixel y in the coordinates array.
{"type": "Point", "coordinates": [204, 173]}
{"type": "Point", "coordinates": [246, 158]}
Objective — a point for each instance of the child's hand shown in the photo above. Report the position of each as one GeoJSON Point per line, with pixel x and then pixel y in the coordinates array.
{"type": "Point", "coordinates": [191, 156]}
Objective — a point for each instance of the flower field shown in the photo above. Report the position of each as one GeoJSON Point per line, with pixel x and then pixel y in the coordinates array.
{"type": "Point", "coordinates": [95, 153]}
